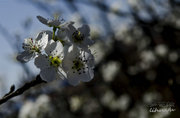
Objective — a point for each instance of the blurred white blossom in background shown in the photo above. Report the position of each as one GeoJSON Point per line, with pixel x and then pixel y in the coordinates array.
{"type": "Point", "coordinates": [40, 108]}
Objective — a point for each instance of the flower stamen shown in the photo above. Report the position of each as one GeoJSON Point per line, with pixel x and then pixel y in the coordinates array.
{"type": "Point", "coordinates": [78, 65]}
{"type": "Point", "coordinates": [77, 36]}
{"type": "Point", "coordinates": [55, 61]}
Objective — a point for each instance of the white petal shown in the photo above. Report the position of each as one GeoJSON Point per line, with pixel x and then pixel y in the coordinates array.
{"type": "Point", "coordinates": [27, 41]}
{"type": "Point", "coordinates": [27, 44]}
{"type": "Point", "coordinates": [67, 64]}
{"type": "Point", "coordinates": [54, 48]}
{"type": "Point", "coordinates": [88, 42]}
{"type": "Point", "coordinates": [61, 74]}
{"type": "Point", "coordinates": [42, 62]}
{"type": "Point", "coordinates": [66, 48]}
{"type": "Point", "coordinates": [58, 49]}
{"type": "Point", "coordinates": [70, 29]}
{"type": "Point", "coordinates": [42, 20]}
{"type": "Point", "coordinates": [91, 73]}
{"type": "Point", "coordinates": [50, 47]}
{"type": "Point", "coordinates": [66, 24]}
{"type": "Point", "coordinates": [70, 25]}
{"type": "Point", "coordinates": [73, 52]}
{"type": "Point", "coordinates": [90, 58]}
{"type": "Point", "coordinates": [42, 42]}
{"type": "Point", "coordinates": [25, 56]}
{"type": "Point", "coordinates": [85, 77]}
{"type": "Point", "coordinates": [54, 22]}
{"type": "Point", "coordinates": [69, 56]}
{"type": "Point", "coordinates": [85, 30]}
{"type": "Point", "coordinates": [48, 74]}
{"type": "Point", "coordinates": [48, 32]}
{"type": "Point", "coordinates": [61, 34]}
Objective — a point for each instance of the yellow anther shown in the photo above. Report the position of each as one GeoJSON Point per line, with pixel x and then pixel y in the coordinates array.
{"type": "Point", "coordinates": [55, 61]}
{"type": "Point", "coordinates": [78, 36]}
{"type": "Point", "coordinates": [77, 64]}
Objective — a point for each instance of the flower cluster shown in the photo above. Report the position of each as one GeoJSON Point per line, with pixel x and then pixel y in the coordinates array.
{"type": "Point", "coordinates": [62, 53]}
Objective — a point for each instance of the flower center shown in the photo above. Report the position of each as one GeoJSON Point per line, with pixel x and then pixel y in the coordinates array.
{"type": "Point", "coordinates": [78, 36]}
{"type": "Point", "coordinates": [55, 61]}
{"type": "Point", "coordinates": [31, 46]}
{"type": "Point", "coordinates": [78, 66]}
{"type": "Point", "coordinates": [34, 48]}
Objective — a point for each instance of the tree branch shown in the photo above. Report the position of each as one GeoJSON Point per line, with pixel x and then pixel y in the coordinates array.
{"type": "Point", "coordinates": [21, 90]}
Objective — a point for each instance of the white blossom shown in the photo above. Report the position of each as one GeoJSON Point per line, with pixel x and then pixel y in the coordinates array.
{"type": "Point", "coordinates": [50, 22]}
{"type": "Point", "coordinates": [40, 108]}
{"type": "Point", "coordinates": [62, 33]}
{"type": "Point", "coordinates": [110, 70]}
{"type": "Point", "coordinates": [78, 65]}
{"type": "Point", "coordinates": [32, 47]}
{"type": "Point", "coordinates": [51, 64]}
{"type": "Point", "coordinates": [79, 36]}
{"type": "Point", "coordinates": [161, 50]}
{"type": "Point", "coordinates": [62, 53]}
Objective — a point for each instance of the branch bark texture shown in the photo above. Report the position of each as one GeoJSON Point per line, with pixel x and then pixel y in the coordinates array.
{"type": "Point", "coordinates": [21, 90]}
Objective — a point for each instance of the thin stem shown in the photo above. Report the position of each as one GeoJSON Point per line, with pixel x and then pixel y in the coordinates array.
{"type": "Point", "coordinates": [54, 31]}
{"type": "Point", "coordinates": [21, 90]}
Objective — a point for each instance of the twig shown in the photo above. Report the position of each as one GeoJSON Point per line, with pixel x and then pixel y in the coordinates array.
{"type": "Point", "coordinates": [11, 90]}
{"type": "Point", "coordinates": [21, 90]}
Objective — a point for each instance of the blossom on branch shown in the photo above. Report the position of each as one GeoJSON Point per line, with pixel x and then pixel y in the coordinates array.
{"type": "Point", "coordinates": [32, 47]}
{"type": "Point", "coordinates": [64, 54]}
{"type": "Point", "coordinates": [79, 36]}
{"type": "Point", "coordinates": [51, 64]}
{"type": "Point", "coordinates": [50, 22]}
{"type": "Point", "coordinates": [78, 65]}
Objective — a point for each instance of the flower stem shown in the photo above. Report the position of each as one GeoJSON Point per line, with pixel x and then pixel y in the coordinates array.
{"type": "Point", "coordinates": [54, 31]}
{"type": "Point", "coordinates": [12, 93]}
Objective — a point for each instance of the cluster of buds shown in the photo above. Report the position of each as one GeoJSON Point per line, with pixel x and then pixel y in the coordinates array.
{"type": "Point", "coordinates": [62, 53]}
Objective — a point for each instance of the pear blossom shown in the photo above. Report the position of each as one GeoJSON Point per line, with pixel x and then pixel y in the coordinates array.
{"type": "Point", "coordinates": [62, 53]}
{"type": "Point", "coordinates": [50, 22]}
{"type": "Point", "coordinates": [51, 64]}
{"type": "Point", "coordinates": [32, 47]}
{"type": "Point", "coordinates": [48, 32]}
{"type": "Point", "coordinates": [78, 65]}
{"type": "Point", "coordinates": [63, 32]}
{"type": "Point", "coordinates": [79, 36]}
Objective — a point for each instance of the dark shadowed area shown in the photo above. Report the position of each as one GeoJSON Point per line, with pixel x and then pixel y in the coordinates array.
{"type": "Point", "coordinates": [137, 62]}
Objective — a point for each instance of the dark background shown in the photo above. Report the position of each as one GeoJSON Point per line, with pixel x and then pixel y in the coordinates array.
{"type": "Point", "coordinates": [137, 64]}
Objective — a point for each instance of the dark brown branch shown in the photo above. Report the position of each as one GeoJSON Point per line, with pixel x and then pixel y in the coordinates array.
{"type": "Point", "coordinates": [21, 90]}
{"type": "Point", "coordinates": [11, 90]}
